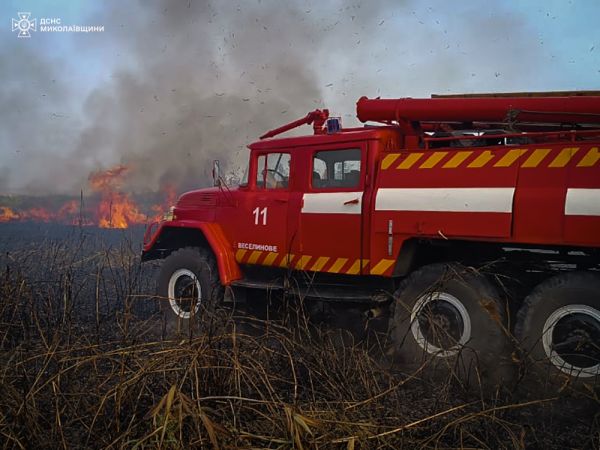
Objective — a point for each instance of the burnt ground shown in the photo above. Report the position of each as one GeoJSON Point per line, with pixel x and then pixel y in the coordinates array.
{"type": "Point", "coordinates": [84, 365]}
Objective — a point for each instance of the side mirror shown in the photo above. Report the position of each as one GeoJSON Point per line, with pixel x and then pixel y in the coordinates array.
{"type": "Point", "coordinates": [216, 173]}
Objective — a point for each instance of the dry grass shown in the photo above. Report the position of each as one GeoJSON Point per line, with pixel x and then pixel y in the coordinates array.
{"type": "Point", "coordinates": [83, 366]}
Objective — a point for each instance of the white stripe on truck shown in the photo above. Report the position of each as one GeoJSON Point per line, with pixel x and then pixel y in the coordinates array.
{"type": "Point", "coordinates": [497, 200]}
{"type": "Point", "coordinates": [578, 202]}
{"type": "Point", "coordinates": [332, 203]}
{"type": "Point", "coordinates": [582, 202]}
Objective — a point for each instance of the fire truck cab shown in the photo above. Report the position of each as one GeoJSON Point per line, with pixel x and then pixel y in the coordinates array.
{"type": "Point", "coordinates": [306, 205]}
{"type": "Point", "coordinates": [468, 219]}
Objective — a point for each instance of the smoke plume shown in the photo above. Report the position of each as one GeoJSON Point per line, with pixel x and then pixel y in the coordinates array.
{"type": "Point", "coordinates": [195, 81]}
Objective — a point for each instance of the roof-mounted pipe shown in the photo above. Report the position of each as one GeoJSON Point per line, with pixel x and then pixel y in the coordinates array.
{"type": "Point", "coordinates": [317, 118]}
{"type": "Point", "coordinates": [568, 109]}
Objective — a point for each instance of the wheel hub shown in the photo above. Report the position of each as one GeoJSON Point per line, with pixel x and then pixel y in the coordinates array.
{"type": "Point", "coordinates": [184, 293]}
{"type": "Point", "coordinates": [571, 340]}
{"type": "Point", "coordinates": [440, 324]}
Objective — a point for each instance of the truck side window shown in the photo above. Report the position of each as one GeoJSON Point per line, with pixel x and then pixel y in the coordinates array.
{"type": "Point", "coordinates": [336, 169]}
{"type": "Point", "coordinates": [273, 171]}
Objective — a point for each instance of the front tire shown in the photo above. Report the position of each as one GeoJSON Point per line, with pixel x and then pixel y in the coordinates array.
{"type": "Point", "coordinates": [189, 290]}
{"type": "Point", "coordinates": [450, 319]}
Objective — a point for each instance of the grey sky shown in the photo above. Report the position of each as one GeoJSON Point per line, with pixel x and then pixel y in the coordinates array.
{"type": "Point", "coordinates": [170, 85]}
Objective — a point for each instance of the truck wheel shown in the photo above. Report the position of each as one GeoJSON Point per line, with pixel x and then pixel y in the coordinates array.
{"type": "Point", "coordinates": [559, 330]}
{"type": "Point", "coordinates": [189, 289]}
{"type": "Point", "coordinates": [450, 320]}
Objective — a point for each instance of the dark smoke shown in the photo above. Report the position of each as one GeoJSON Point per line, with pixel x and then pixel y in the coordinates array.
{"type": "Point", "coordinates": [207, 82]}
{"type": "Point", "coordinates": [197, 81]}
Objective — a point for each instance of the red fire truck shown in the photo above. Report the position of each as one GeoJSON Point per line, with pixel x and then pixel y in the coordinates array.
{"type": "Point", "coordinates": [474, 218]}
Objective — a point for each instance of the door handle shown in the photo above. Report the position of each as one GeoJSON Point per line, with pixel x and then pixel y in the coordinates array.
{"type": "Point", "coordinates": [354, 201]}
{"type": "Point", "coordinates": [281, 200]}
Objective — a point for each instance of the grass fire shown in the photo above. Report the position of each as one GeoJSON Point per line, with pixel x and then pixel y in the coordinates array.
{"type": "Point", "coordinates": [106, 205]}
{"type": "Point", "coordinates": [299, 225]}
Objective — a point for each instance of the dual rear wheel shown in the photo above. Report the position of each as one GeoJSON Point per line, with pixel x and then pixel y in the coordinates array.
{"type": "Point", "coordinates": [450, 320]}
{"type": "Point", "coordinates": [558, 327]}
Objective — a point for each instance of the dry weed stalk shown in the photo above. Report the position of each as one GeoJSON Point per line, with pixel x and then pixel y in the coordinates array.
{"type": "Point", "coordinates": [83, 366]}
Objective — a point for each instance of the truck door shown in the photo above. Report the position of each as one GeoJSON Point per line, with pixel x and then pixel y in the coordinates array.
{"type": "Point", "coordinates": [261, 220]}
{"type": "Point", "coordinates": [331, 214]}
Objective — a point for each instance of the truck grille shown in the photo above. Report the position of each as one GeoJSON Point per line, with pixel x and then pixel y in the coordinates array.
{"type": "Point", "coordinates": [208, 199]}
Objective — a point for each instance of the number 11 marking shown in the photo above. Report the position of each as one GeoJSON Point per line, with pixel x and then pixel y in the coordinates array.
{"type": "Point", "coordinates": [260, 212]}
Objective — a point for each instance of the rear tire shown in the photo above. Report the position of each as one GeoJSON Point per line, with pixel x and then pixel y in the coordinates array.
{"type": "Point", "coordinates": [450, 320]}
{"type": "Point", "coordinates": [559, 330]}
{"type": "Point", "coordinates": [189, 290]}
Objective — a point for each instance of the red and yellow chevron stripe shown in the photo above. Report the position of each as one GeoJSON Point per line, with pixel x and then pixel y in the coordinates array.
{"type": "Point", "coordinates": [314, 263]}
{"type": "Point", "coordinates": [471, 159]}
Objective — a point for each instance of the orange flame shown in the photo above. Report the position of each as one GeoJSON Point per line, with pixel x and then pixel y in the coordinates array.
{"type": "Point", "coordinates": [38, 215]}
{"type": "Point", "coordinates": [7, 214]}
{"type": "Point", "coordinates": [117, 210]}
{"type": "Point", "coordinates": [70, 212]}
{"type": "Point", "coordinates": [114, 209]}
{"type": "Point", "coordinates": [109, 179]}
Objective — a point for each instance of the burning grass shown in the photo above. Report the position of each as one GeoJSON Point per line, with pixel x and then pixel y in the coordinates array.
{"type": "Point", "coordinates": [109, 206]}
{"type": "Point", "coordinates": [84, 366]}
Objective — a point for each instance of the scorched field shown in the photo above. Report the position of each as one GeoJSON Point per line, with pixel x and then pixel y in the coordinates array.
{"type": "Point", "coordinates": [85, 365]}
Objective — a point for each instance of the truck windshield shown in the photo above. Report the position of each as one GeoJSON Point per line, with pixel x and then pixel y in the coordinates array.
{"type": "Point", "coordinates": [244, 181]}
